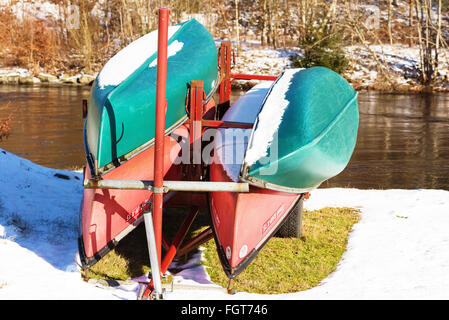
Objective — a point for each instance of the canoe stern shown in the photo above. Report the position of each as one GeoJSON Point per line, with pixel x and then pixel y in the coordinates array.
{"type": "Point", "coordinates": [316, 135]}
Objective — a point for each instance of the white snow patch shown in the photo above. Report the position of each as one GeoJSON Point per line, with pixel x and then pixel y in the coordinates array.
{"type": "Point", "coordinates": [255, 59]}
{"type": "Point", "coordinates": [269, 118]}
{"type": "Point", "coordinates": [38, 233]}
{"type": "Point", "coordinates": [398, 250]}
{"type": "Point", "coordinates": [39, 9]}
{"type": "Point", "coordinates": [130, 58]}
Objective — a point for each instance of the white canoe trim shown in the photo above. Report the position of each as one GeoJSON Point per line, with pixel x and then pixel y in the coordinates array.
{"type": "Point", "coordinates": [269, 118]}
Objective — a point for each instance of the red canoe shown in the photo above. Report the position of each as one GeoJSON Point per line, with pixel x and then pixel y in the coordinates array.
{"type": "Point", "coordinates": [243, 222]}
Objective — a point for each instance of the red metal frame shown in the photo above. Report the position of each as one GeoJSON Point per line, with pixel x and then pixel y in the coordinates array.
{"type": "Point", "coordinates": [182, 232]}
{"type": "Point", "coordinates": [239, 76]}
{"type": "Point", "coordinates": [197, 125]}
{"type": "Point", "coordinates": [196, 98]}
{"type": "Point", "coordinates": [224, 61]}
{"type": "Point", "coordinates": [226, 124]}
{"type": "Point", "coordinates": [226, 54]}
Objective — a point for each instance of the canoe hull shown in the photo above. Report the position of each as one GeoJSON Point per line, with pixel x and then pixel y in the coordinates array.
{"type": "Point", "coordinates": [302, 136]}
{"type": "Point", "coordinates": [314, 137]}
{"type": "Point", "coordinates": [243, 222]}
{"type": "Point", "coordinates": [106, 216]}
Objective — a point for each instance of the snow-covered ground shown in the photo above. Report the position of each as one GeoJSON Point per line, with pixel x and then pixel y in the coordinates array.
{"type": "Point", "coordinates": [399, 249]}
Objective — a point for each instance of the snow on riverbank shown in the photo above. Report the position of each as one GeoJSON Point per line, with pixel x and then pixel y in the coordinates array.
{"type": "Point", "coordinates": [38, 232]}
{"type": "Point", "coordinates": [23, 76]}
{"type": "Point", "coordinates": [399, 249]}
{"type": "Point", "coordinates": [401, 62]}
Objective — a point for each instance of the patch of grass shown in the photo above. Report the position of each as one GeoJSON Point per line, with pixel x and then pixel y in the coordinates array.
{"type": "Point", "coordinates": [128, 260]}
{"type": "Point", "coordinates": [291, 264]}
{"type": "Point", "coordinates": [287, 264]}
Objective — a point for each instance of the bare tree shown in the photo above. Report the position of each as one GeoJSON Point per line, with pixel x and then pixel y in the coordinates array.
{"type": "Point", "coordinates": [264, 33]}
{"type": "Point", "coordinates": [237, 22]}
{"type": "Point", "coordinates": [390, 11]}
{"type": "Point", "coordinates": [410, 22]}
{"type": "Point", "coordinates": [429, 38]}
{"type": "Point", "coordinates": [354, 23]}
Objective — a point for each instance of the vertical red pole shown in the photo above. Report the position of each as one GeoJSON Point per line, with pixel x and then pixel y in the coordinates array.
{"type": "Point", "coordinates": [228, 72]}
{"type": "Point", "coordinates": [225, 76]}
{"type": "Point", "coordinates": [196, 116]}
{"type": "Point", "coordinates": [161, 103]}
{"type": "Point", "coordinates": [222, 73]}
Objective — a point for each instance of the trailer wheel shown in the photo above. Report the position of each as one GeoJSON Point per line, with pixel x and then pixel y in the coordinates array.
{"type": "Point", "coordinates": [292, 226]}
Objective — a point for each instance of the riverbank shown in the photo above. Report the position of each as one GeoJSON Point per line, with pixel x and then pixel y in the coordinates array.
{"type": "Point", "coordinates": [400, 63]}
{"type": "Point", "coordinates": [19, 76]}
{"type": "Point", "coordinates": [397, 251]}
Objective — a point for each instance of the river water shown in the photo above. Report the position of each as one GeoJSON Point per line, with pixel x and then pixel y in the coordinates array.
{"type": "Point", "coordinates": [403, 139]}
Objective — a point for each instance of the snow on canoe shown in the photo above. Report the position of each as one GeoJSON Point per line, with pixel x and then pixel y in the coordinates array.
{"type": "Point", "coordinates": [305, 128]}
{"type": "Point", "coordinates": [121, 109]}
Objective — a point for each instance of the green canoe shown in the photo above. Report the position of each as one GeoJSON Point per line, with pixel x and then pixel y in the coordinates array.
{"type": "Point", "coordinates": [305, 132]}
{"type": "Point", "coordinates": [121, 112]}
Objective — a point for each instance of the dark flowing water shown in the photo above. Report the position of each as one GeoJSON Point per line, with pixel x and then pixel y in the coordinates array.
{"type": "Point", "coordinates": [403, 139]}
{"type": "Point", "coordinates": [403, 142]}
{"type": "Point", "coordinates": [47, 124]}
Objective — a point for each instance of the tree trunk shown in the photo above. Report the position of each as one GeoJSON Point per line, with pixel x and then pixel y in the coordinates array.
{"type": "Point", "coordinates": [264, 24]}
{"type": "Point", "coordinates": [429, 40]}
{"type": "Point", "coordinates": [273, 8]}
{"type": "Point", "coordinates": [389, 21]}
{"type": "Point", "coordinates": [438, 37]}
{"type": "Point", "coordinates": [237, 22]}
{"type": "Point", "coordinates": [302, 5]}
{"type": "Point", "coordinates": [418, 10]}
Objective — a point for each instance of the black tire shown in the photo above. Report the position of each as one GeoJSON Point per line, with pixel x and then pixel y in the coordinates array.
{"type": "Point", "coordinates": [292, 226]}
